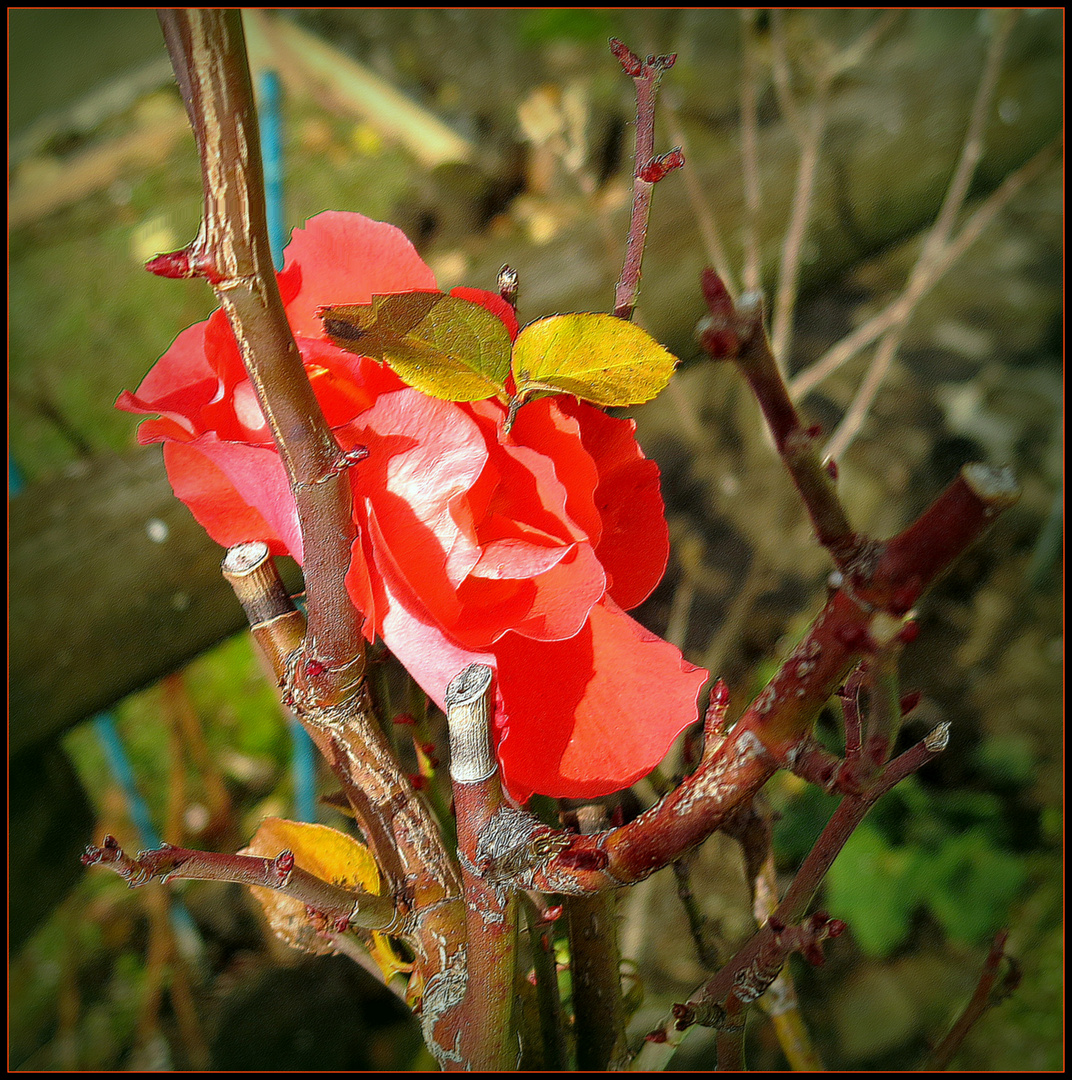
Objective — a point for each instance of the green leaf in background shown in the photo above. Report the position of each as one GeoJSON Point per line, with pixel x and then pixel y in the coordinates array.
{"type": "Point", "coordinates": [597, 357]}
{"type": "Point", "coordinates": [872, 886]}
{"type": "Point", "coordinates": [970, 886]}
{"type": "Point", "coordinates": [442, 345]}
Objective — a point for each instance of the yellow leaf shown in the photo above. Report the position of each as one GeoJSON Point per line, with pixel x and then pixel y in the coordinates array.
{"type": "Point", "coordinates": [596, 357]}
{"type": "Point", "coordinates": [330, 855]}
{"type": "Point", "coordinates": [444, 346]}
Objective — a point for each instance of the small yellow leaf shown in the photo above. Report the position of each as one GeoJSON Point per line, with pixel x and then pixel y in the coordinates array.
{"type": "Point", "coordinates": [596, 357]}
{"type": "Point", "coordinates": [443, 345]}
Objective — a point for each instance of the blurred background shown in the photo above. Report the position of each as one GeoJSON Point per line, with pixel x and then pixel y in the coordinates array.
{"type": "Point", "coordinates": [505, 136]}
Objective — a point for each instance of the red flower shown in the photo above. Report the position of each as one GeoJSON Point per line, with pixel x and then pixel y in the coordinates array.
{"type": "Point", "coordinates": [520, 550]}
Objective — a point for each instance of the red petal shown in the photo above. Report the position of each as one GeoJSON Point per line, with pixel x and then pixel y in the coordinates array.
{"type": "Point", "coordinates": [211, 497]}
{"type": "Point", "coordinates": [230, 486]}
{"type": "Point", "coordinates": [345, 259]}
{"type": "Point", "coordinates": [635, 545]}
{"type": "Point", "coordinates": [424, 455]}
{"type": "Point", "coordinates": [591, 715]}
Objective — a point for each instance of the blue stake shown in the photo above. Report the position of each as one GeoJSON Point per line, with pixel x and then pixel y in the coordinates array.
{"type": "Point", "coordinates": [303, 758]}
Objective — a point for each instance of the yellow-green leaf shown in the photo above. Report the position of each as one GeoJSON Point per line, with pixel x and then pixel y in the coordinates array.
{"type": "Point", "coordinates": [597, 357]}
{"type": "Point", "coordinates": [444, 346]}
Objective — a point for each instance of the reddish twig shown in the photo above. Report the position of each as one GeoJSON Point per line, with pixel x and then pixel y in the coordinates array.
{"type": "Point", "coordinates": [231, 252]}
{"type": "Point", "coordinates": [319, 666]}
{"type": "Point", "coordinates": [757, 963]}
{"type": "Point", "coordinates": [991, 990]}
{"type": "Point", "coordinates": [647, 168]}
{"type": "Point", "coordinates": [865, 614]}
{"type": "Point", "coordinates": [337, 905]}
{"type": "Point", "coordinates": [409, 852]}
{"type": "Point", "coordinates": [735, 331]}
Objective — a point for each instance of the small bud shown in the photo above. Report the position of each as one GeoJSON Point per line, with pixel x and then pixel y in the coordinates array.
{"type": "Point", "coordinates": [909, 633]}
{"type": "Point", "coordinates": [626, 57]}
{"type": "Point", "coordinates": [173, 264]}
{"type": "Point", "coordinates": [831, 468]}
{"type": "Point", "coordinates": [659, 166]}
{"type": "Point", "coordinates": [551, 914]}
{"type": "Point", "coordinates": [507, 284]}
{"type": "Point", "coordinates": [855, 637]}
{"type": "Point", "coordinates": [280, 868]}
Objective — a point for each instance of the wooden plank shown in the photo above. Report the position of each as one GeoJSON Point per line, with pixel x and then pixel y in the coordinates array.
{"type": "Point", "coordinates": [112, 586]}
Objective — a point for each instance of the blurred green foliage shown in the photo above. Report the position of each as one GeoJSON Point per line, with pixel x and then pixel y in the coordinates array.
{"type": "Point", "coordinates": [948, 853]}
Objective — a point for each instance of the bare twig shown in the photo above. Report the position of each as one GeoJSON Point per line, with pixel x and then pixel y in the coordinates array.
{"type": "Point", "coordinates": [780, 1001]}
{"type": "Point", "coordinates": [937, 238]}
{"type": "Point", "coordinates": [735, 331]}
{"type": "Point", "coordinates": [712, 237]}
{"type": "Point", "coordinates": [168, 863]}
{"type": "Point", "coordinates": [753, 254]}
{"type": "Point", "coordinates": [647, 168]}
{"type": "Point", "coordinates": [900, 310]}
{"type": "Point", "coordinates": [793, 243]}
{"type": "Point", "coordinates": [989, 991]}
{"type": "Point", "coordinates": [595, 963]}
{"type": "Point", "coordinates": [809, 132]}
{"type": "Point", "coordinates": [782, 76]}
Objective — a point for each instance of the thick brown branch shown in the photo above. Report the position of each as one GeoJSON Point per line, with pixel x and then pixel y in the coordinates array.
{"type": "Point", "coordinates": [231, 251]}
{"type": "Point", "coordinates": [486, 1038]}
